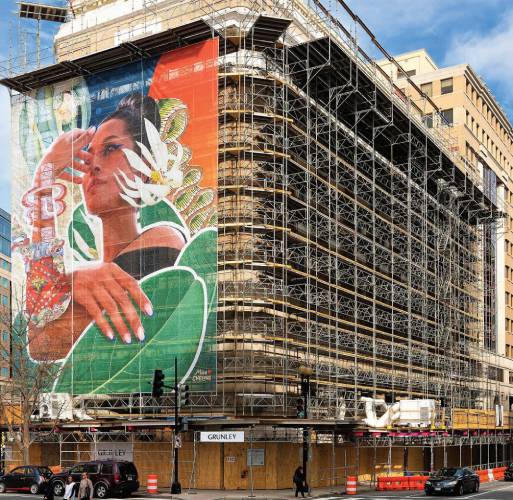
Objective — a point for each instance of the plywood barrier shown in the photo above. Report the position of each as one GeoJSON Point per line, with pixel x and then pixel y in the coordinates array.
{"type": "Point", "coordinates": [478, 419]}
{"type": "Point", "coordinates": [153, 458]}
{"type": "Point", "coordinates": [225, 466]}
{"type": "Point", "coordinates": [47, 454]}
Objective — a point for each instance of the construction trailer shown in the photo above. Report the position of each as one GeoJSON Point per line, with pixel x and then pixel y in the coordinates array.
{"type": "Point", "coordinates": [351, 240]}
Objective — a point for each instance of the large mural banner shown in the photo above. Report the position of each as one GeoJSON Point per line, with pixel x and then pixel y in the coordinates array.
{"type": "Point", "coordinates": [115, 223]}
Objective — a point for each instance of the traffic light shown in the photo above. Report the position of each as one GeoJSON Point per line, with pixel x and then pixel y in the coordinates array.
{"type": "Point", "coordinates": [185, 395]}
{"type": "Point", "coordinates": [158, 384]}
{"type": "Point", "coordinates": [300, 408]}
{"type": "Point", "coordinates": [183, 424]}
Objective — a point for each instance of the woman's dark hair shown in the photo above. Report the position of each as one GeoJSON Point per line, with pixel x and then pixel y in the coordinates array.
{"type": "Point", "coordinates": [132, 109]}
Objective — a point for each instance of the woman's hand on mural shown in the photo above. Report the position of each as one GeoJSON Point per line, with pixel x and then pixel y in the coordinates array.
{"type": "Point", "coordinates": [67, 152]}
{"type": "Point", "coordinates": [107, 290]}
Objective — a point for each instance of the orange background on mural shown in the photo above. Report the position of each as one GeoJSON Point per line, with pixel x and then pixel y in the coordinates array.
{"type": "Point", "coordinates": [190, 74]}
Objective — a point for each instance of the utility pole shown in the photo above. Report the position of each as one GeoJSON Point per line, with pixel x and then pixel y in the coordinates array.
{"type": "Point", "coordinates": [176, 487]}
{"type": "Point", "coordinates": [157, 391]}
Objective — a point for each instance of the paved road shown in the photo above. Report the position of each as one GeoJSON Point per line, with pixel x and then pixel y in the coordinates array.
{"type": "Point", "coordinates": [497, 490]}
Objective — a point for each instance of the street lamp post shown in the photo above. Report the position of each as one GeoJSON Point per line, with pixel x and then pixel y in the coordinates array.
{"type": "Point", "coordinates": [176, 487]}
{"type": "Point", "coordinates": [305, 372]}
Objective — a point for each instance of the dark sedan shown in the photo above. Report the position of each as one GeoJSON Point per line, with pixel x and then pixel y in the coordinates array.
{"type": "Point", "coordinates": [455, 481]}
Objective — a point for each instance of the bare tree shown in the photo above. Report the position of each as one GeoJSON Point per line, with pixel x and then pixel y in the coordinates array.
{"type": "Point", "coordinates": [22, 392]}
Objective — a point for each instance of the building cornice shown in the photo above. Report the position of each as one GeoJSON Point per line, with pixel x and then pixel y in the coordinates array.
{"type": "Point", "coordinates": [490, 99]}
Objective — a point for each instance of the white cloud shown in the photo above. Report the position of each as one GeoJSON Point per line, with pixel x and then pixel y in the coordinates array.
{"type": "Point", "coordinates": [398, 18]}
{"type": "Point", "coordinates": [489, 53]}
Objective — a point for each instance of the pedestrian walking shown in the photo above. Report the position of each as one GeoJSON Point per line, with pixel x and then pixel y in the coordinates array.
{"type": "Point", "coordinates": [300, 481]}
{"type": "Point", "coordinates": [85, 491]}
{"type": "Point", "coordinates": [74, 493]}
{"type": "Point", "coordinates": [47, 488]}
{"type": "Point", "coordinates": [71, 489]}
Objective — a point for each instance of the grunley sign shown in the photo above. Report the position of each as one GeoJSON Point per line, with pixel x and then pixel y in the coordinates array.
{"type": "Point", "coordinates": [222, 437]}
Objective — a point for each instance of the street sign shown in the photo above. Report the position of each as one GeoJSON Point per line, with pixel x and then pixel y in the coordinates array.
{"type": "Point", "coordinates": [222, 437]}
{"type": "Point", "coordinates": [256, 456]}
{"type": "Point", "coordinates": [112, 450]}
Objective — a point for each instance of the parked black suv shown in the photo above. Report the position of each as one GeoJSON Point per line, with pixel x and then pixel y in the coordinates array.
{"type": "Point", "coordinates": [109, 477]}
{"type": "Point", "coordinates": [24, 478]}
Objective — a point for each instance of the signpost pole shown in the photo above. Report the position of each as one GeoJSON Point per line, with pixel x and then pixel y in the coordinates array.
{"type": "Point", "coordinates": [176, 487]}
{"type": "Point", "coordinates": [250, 456]}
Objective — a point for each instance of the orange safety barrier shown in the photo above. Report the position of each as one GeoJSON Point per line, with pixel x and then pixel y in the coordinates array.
{"type": "Point", "coordinates": [351, 485]}
{"type": "Point", "coordinates": [417, 482]}
{"type": "Point", "coordinates": [483, 476]}
{"type": "Point", "coordinates": [151, 484]}
{"type": "Point", "coordinates": [388, 483]}
{"type": "Point", "coordinates": [498, 473]}
{"type": "Point", "coordinates": [399, 483]}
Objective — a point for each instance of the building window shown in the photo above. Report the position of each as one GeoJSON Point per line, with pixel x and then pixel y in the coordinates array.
{"type": "Point", "coordinates": [446, 86]}
{"type": "Point", "coordinates": [448, 117]}
{"type": "Point", "coordinates": [5, 300]}
{"type": "Point", "coordinates": [5, 371]}
{"type": "Point", "coordinates": [5, 336]}
{"type": "Point", "coordinates": [427, 88]}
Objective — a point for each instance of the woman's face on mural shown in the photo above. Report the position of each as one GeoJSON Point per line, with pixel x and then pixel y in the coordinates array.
{"type": "Point", "coordinates": [101, 191]}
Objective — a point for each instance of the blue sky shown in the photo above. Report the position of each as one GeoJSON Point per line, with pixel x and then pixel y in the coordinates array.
{"type": "Point", "coordinates": [478, 32]}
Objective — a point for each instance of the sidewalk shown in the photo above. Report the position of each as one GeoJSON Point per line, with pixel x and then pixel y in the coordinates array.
{"type": "Point", "coordinates": [242, 494]}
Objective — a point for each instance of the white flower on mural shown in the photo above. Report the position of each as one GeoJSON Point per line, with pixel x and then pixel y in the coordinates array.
{"type": "Point", "coordinates": [162, 167]}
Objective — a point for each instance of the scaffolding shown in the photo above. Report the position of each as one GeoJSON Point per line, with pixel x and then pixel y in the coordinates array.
{"type": "Point", "coordinates": [352, 238]}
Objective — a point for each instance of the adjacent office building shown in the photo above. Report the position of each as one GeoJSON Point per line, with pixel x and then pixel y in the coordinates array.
{"type": "Point", "coordinates": [5, 287]}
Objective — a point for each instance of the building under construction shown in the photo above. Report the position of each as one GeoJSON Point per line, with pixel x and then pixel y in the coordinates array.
{"type": "Point", "coordinates": [352, 240]}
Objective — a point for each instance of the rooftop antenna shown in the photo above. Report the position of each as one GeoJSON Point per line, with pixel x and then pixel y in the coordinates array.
{"type": "Point", "coordinates": [41, 12]}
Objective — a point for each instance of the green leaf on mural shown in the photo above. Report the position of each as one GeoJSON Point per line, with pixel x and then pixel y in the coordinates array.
{"type": "Point", "coordinates": [80, 235]}
{"type": "Point", "coordinates": [176, 329]}
{"type": "Point", "coordinates": [162, 211]}
{"type": "Point", "coordinates": [201, 255]}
